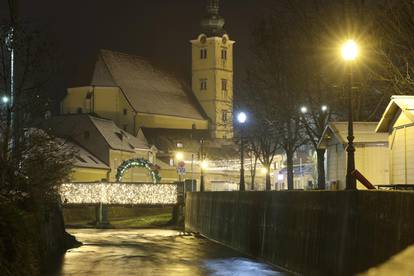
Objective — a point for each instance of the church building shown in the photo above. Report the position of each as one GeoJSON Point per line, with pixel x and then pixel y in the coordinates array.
{"type": "Point", "coordinates": [166, 114]}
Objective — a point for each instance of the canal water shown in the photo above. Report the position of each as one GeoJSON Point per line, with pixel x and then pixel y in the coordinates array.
{"type": "Point", "coordinates": [154, 252]}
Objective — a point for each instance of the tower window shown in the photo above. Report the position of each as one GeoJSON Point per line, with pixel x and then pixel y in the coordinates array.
{"type": "Point", "coordinates": [223, 54]}
{"type": "Point", "coordinates": [224, 116]}
{"type": "Point", "coordinates": [224, 85]}
{"type": "Point", "coordinates": [125, 111]}
{"type": "Point", "coordinates": [203, 53]}
{"type": "Point", "coordinates": [203, 84]}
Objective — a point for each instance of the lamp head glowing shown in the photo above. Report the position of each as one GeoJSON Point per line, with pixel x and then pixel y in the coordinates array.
{"type": "Point", "coordinates": [324, 108]}
{"type": "Point", "coordinates": [304, 109]}
{"type": "Point", "coordinates": [264, 170]}
{"type": "Point", "coordinates": [204, 164]}
{"type": "Point", "coordinates": [242, 117]}
{"type": "Point", "coordinates": [349, 50]}
{"type": "Point", "coordinates": [179, 155]}
{"type": "Point", "coordinates": [5, 99]}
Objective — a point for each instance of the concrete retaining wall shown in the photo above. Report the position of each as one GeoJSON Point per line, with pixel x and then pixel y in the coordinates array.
{"type": "Point", "coordinates": [312, 232]}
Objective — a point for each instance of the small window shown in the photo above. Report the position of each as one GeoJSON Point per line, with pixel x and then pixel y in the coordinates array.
{"type": "Point", "coordinates": [203, 53]}
{"type": "Point", "coordinates": [224, 116]}
{"type": "Point", "coordinates": [119, 135]}
{"type": "Point", "coordinates": [89, 95]}
{"type": "Point", "coordinates": [90, 157]}
{"type": "Point", "coordinates": [223, 54]}
{"type": "Point", "coordinates": [79, 110]}
{"type": "Point", "coordinates": [224, 85]}
{"type": "Point", "coordinates": [86, 135]}
{"type": "Point", "coordinates": [125, 111]}
{"type": "Point", "coordinates": [81, 159]}
{"type": "Point", "coordinates": [203, 84]}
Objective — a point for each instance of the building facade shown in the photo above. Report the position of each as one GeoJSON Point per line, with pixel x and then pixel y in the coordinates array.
{"type": "Point", "coordinates": [397, 123]}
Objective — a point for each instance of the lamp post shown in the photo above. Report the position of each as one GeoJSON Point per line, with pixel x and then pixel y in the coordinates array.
{"type": "Point", "coordinates": [201, 165]}
{"type": "Point", "coordinates": [349, 54]}
{"type": "Point", "coordinates": [241, 118]}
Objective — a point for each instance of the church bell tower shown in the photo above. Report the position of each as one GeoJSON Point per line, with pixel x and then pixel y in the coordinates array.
{"type": "Point", "coordinates": [212, 72]}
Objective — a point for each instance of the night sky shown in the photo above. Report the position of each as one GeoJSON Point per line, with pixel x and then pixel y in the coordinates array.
{"type": "Point", "coordinates": [158, 30]}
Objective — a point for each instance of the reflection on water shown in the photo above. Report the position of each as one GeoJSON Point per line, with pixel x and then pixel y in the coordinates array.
{"type": "Point", "coordinates": [154, 252]}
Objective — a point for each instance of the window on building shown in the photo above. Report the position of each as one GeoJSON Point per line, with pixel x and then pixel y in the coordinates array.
{"type": "Point", "coordinates": [224, 85]}
{"type": "Point", "coordinates": [125, 111]}
{"type": "Point", "coordinates": [86, 135]}
{"type": "Point", "coordinates": [79, 110]}
{"type": "Point", "coordinates": [93, 159]}
{"type": "Point", "coordinates": [203, 53]}
{"type": "Point", "coordinates": [203, 84]}
{"type": "Point", "coordinates": [224, 116]}
{"type": "Point", "coordinates": [224, 54]}
{"type": "Point", "coordinates": [80, 159]}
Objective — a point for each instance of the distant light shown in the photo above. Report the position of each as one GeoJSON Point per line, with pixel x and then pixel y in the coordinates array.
{"type": "Point", "coordinates": [304, 109]}
{"type": "Point", "coordinates": [204, 164]}
{"type": "Point", "coordinates": [5, 99]}
{"type": "Point", "coordinates": [280, 177]}
{"type": "Point", "coordinates": [324, 108]}
{"type": "Point", "coordinates": [179, 155]}
{"type": "Point", "coordinates": [179, 145]}
{"type": "Point", "coordinates": [350, 50]}
{"type": "Point", "coordinates": [264, 170]}
{"type": "Point", "coordinates": [242, 117]}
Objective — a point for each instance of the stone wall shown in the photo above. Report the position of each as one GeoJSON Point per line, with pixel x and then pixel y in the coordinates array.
{"type": "Point", "coordinates": [308, 232]}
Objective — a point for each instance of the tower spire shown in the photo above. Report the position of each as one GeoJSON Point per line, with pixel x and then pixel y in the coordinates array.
{"type": "Point", "coordinates": [212, 24]}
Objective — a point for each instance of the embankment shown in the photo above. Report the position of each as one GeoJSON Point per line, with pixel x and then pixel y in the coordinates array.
{"type": "Point", "coordinates": [308, 232]}
{"type": "Point", "coordinates": [32, 237]}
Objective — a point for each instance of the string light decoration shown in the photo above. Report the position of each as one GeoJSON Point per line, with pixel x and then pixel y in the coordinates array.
{"type": "Point", "coordinates": [141, 163]}
{"type": "Point", "coordinates": [118, 193]}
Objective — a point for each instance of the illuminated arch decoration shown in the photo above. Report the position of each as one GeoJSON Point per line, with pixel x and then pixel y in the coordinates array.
{"type": "Point", "coordinates": [140, 163]}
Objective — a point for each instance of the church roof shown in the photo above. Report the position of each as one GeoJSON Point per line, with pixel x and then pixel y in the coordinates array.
{"type": "Point", "coordinates": [148, 89]}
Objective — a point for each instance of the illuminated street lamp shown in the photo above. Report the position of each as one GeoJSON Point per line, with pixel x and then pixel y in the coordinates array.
{"type": "Point", "coordinates": [5, 99]}
{"type": "Point", "coordinates": [179, 156]}
{"type": "Point", "coordinates": [304, 109]}
{"type": "Point", "coordinates": [242, 118]}
{"type": "Point", "coordinates": [349, 53]}
{"type": "Point", "coordinates": [324, 108]}
{"type": "Point", "coordinates": [201, 167]}
{"type": "Point", "coordinates": [204, 164]}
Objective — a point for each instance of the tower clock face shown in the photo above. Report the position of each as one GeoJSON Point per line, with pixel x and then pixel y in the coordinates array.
{"type": "Point", "coordinates": [224, 40]}
{"type": "Point", "coordinates": [203, 39]}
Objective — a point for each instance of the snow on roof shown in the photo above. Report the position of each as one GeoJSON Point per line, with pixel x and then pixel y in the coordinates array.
{"type": "Point", "coordinates": [148, 89]}
{"type": "Point", "coordinates": [117, 138]}
{"type": "Point", "coordinates": [397, 103]}
{"type": "Point", "coordinates": [84, 158]}
{"type": "Point", "coordinates": [364, 132]}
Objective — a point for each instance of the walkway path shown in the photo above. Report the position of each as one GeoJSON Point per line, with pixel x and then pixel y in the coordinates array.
{"type": "Point", "coordinates": [154, 252]}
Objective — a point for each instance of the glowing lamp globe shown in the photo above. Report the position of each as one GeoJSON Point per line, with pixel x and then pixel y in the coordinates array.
{"type": "Point", "coordinates": [204, 164]}
{"type": "Point", "coordinates": [179, 156]}
{"type": "Point", "coordinates": [350, 50]}
{"type": "Point", "coordinates": [303, 109]}
{"type": "Point", "coordinates": [242, 117]}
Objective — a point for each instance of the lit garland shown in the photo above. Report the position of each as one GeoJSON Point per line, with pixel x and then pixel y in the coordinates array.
{"type": "Point", "coordinates": [118, 193]}
{"type": "Point", "coordinates": [141, 163]}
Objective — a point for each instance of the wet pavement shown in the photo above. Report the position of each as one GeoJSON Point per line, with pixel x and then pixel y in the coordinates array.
{"type": "Point", "coordinates": [154, 252]}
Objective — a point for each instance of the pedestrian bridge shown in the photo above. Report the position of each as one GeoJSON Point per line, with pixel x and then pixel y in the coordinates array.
{"type": "Point", "coordinates": [118, 193]}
